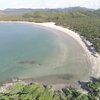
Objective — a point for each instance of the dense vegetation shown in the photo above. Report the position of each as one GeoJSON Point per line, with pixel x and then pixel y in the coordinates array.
{"type": "Point", "coordinates": [84, 21]}
{"type": "Point", "coordinates": [35, 91]}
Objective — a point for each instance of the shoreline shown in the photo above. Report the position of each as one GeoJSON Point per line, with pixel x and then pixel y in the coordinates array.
{"type": "Point", "coordinates": [4, 86]}
{"type": "Point", "coordinates": [95, 61]}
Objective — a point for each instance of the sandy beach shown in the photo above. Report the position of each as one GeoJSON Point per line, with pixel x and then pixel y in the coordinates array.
{"type": "Point", "coordinates": [95, 60]}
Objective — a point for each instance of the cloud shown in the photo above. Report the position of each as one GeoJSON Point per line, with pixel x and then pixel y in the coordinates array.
{"type": "Point", "coordinates": [16, 3]}
{"type": "Point", "coordinates": [92, 4]}
{"type": "Point", "coordinates": [48, 3]}
{"type": "Point", "coordinates": [59, 3]}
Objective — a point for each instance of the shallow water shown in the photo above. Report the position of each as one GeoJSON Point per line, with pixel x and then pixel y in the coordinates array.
{"type": "Point", "coordinates": [29, 51]}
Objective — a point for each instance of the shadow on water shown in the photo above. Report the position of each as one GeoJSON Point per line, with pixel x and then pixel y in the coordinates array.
{"type": "Point", "coordinates": [50, 78]}
{"type": "Point", "coordinates": [57, 76]}
{"type": "Point", "coordinates": [29, 62]}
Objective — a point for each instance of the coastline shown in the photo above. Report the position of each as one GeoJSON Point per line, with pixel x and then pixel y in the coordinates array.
{"type": "Point", "coordinates": [95, 61]}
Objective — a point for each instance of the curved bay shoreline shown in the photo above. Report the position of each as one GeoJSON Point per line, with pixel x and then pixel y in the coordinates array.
{"type": "Point", "coordinates": [95, 60]}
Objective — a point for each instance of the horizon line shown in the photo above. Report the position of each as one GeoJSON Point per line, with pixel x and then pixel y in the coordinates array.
{"type": "Point", "coordinates": [50, 8]}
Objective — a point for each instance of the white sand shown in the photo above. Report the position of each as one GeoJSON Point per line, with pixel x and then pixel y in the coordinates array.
{"type": "Point", "coordinates": [95, 61]}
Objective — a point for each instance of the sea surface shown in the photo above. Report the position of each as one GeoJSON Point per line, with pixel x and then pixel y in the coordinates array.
{"type": "Point", "coordinates": [44, 54]}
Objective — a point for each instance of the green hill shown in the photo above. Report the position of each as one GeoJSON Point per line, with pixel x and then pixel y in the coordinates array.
{"type": "Point", "coordinates": [97, 12]}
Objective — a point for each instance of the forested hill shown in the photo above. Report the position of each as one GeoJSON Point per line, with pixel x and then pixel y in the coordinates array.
{"type": "Point", "coordinates": [97, 12]}
{"type": "Point", "coordinates": [83, 20]}
{"type": "Point", "coordinates": [29, 10]}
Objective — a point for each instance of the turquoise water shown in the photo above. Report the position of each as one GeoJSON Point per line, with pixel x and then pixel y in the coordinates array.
{"type": "Point", "coordinates": [29, 51]}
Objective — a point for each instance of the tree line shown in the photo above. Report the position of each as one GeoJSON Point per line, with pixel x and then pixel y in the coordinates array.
{"type": "Point", "coordinates": [34, 91]}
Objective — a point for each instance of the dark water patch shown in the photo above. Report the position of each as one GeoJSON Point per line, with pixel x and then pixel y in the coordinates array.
{"type": "Point", "coordinates": [66, 76]}
{"type": "Point", "coordinates": [27, 62]}
{"type": "Point", "coordinates": [31, 62]}
{"type": "Point", "coordinates": [62, 77]}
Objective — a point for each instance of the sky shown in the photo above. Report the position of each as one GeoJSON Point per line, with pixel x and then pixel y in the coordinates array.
{"type": "Point", "coordinates": [95, 4]}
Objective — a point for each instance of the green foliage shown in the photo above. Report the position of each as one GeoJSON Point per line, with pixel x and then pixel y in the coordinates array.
{"type": "Point", "coordinates": [38, 92]}
{"type": "Point", "coordinates": [28, 92]}
{"type": "Point", "coordinates": [94, 88]}
{"type": "Point", "coordinates": [87, 26]}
